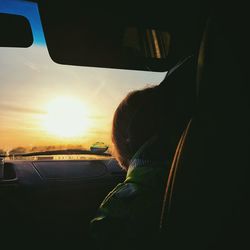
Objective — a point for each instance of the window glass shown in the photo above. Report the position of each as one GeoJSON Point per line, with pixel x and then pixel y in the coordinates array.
{"type": "Point", "coordinates": [47, 106]}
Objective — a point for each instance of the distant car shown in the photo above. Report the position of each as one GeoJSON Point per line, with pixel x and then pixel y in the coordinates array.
{"type": "Point", "coordinates": [99, 147]}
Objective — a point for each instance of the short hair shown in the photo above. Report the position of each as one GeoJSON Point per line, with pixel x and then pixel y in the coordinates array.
{"type": "Point", "coordinates": [148, 112]}
{"type": "Point", "coordinates": [137, 118]}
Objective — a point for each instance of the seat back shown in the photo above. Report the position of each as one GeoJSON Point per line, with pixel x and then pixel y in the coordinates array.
{"type": "Point", "coordinates": [206, 201]}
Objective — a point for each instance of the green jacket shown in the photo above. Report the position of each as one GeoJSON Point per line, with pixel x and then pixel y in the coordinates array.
{"type": "Point", "coordinates": [130, 213]}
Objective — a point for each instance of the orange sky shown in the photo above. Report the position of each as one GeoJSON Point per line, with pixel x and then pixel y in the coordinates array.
{"type": "Point", "coordinates": [30, 80]}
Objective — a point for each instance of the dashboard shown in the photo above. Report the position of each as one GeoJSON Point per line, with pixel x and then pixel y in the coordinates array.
{"type": "Point", "coordinates": [55, 199]}
{"type": "Point", "coordinates": [46, 172]}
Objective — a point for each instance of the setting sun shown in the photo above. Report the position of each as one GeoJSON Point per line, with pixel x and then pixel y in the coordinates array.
{"type": "Point", "coordinates": [66, 117]}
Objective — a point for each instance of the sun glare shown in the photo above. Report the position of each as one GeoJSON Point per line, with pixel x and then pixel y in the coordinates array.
{"type": "Point", "coordinates": [66, 117]}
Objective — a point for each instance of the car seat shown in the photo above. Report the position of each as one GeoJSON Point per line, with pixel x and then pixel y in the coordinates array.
{"type": "Point", "coordinates": [206, 200]}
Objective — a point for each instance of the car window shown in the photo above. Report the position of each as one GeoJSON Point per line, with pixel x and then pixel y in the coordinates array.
{"type": "Point", "coordinates": [45, 105]}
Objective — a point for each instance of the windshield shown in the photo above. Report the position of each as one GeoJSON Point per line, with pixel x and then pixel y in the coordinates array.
{"type": "Point", "coordinates": [48, 106]}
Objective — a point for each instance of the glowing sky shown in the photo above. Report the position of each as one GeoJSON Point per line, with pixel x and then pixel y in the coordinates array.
{"type": "Point", "coordinates": [30, 81]}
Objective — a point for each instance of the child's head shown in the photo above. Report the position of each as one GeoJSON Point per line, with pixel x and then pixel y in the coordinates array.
{"type": "Point", "coordinates": [137, 118]}
{"type": "Point", "coordinates": [163, 110]}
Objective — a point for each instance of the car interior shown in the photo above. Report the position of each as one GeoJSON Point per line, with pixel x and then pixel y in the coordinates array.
{"type": "Point", "coordinates": [49, 195]}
